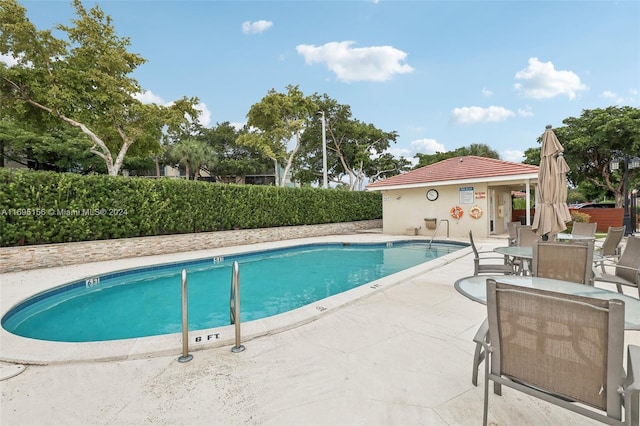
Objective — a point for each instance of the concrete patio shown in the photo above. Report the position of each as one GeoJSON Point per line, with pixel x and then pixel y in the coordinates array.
{"type": "Point", "coordinates": [400, 356]}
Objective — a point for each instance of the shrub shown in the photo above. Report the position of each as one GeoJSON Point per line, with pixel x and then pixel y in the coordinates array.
{"type": "Point", "coordinates": [577, 216]}
{"type": "Point", "coordinates": [48, 207]}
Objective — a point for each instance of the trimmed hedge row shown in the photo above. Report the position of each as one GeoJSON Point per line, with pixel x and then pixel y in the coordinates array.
{"type": "Point", "coordinates": [48, 207]}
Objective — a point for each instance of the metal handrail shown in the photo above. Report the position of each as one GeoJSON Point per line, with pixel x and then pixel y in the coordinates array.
{"type": "Point", "coordinates": [234, 305]}
{"type": "Point", "coordinates": [186, 356]}
{"type": "Point", "coordinates": [436, 231]}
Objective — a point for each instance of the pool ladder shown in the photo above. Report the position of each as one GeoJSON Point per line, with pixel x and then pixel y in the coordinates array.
{"type": "Point", "coordinates": [234, 312]}
{"type": "Point", "coordinates": [436, 231]}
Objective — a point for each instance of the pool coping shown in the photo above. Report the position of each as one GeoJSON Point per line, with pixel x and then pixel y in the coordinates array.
{"type": "Point", "coordinates": [18, 286]}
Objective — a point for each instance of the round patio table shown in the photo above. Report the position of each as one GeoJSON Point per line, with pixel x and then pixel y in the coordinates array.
{"type": "Point", "coordinates": [475, 288]}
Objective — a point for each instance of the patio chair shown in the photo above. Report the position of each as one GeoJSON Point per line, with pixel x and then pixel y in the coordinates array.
{"type": "Point", "coordinates": [571, 261]}
{"type": "Point", "coordinates": [610, 248]}
{"type": "Point", "coordinates": [526, 238]}
{"type": "Point", "coordinates": [480, 261]}
{"type": "Point", "coordinates": [512, 227]}
{"type": "Point", "coordinates": [626, 269]}
{"type": "Point", "coordinates": [564, 349]}
{"type": "Point", "coordinates": [583, 228]}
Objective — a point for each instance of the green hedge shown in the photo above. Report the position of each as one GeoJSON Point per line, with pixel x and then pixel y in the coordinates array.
{"type": "Point", "coordinates": [48, 207]}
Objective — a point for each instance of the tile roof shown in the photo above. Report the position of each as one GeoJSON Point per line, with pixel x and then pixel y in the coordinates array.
{"type": "Point", "coordinates": [455, 169]}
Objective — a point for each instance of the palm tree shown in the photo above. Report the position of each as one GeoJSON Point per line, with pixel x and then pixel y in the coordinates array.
{"type": "Point", "coordinates": [191, 153]}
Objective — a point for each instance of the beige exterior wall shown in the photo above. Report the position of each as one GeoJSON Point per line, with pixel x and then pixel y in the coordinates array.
{"type": "Point", "coordinates": [407, 208]}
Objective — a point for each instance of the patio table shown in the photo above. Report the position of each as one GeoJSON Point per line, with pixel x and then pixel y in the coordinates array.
{"type": "Point", "coordinates": [526, 254]}
{"type": "Point", "coordinates": [475, 288]}
{"type": "Point", "coordinates": [574, 237]}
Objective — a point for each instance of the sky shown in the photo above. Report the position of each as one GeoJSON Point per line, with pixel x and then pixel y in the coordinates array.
{"type": "Point", "coordinates": [442, 74]}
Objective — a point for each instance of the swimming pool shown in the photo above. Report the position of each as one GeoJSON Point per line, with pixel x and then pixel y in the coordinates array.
{"type": "Point", "coordinates": [146, 301]}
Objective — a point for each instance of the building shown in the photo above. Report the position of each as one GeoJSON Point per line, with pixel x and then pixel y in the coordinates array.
{"type": "Point", "coordinates": [454, 196]}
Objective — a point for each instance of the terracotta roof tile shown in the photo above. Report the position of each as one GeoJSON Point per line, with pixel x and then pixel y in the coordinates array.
{"type": "Point", "coordinates": [457, 168]}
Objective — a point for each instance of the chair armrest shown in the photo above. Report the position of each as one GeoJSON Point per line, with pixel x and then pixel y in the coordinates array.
{"type": "Point", "coordinates": [597, 275]}
{"type": "Point", "coordinates": [629, 268]}
{"type": "Point", "coordinates": [632, 383]}
{"type": "Point", "coordinates": [481, 334]}
{"type": "Point", "coordinates": [615, 265]}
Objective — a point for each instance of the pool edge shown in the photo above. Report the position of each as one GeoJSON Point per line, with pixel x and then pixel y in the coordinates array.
{"type": "Point", "coordinates": [17, 349]}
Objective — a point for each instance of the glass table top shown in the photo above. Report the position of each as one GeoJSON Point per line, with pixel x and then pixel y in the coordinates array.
{"type": "Point", "coordinates": [475, 288]}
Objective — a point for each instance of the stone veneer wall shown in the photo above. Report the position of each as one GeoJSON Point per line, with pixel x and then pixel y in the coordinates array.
{"type": "Point", "coordinates": [22, 258]}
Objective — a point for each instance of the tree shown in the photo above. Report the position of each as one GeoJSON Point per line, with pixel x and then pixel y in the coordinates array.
{"type": "Point", "coordinates": [191, 153]}
{"type": "Point", "coordinates": [386, 165]}
{"type": "Point", "coordinates": [594, 139]}
{"type": "Point", "coordinates": [84, 82]}
{"type": "Point", "coordinates": [228, 159]}
{"type": "Point", "coordinates": [355, 150]}
{"type": "Point", "coordinates": [275, 121]}
{"type": "Point", "coordinates": [61, 149]}
{"type": "Point", "coordinates": [477, 149]}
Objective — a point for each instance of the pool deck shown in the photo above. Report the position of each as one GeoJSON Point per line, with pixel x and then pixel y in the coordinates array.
{"type": "Point", "coordinates": [397, 352]}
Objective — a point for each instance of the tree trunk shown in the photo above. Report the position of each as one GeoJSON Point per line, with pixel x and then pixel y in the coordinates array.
{"type": "Point", "coordinates": [157, 166]}
{"type": "Point", "coordinates": [293, 153]}
{"type": "Point", "coordinates": [275, 172]}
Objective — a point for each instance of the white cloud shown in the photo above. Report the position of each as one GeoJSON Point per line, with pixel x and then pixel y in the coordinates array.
{"type": "Point", "coordinates": [256, 27]}
{"type": "Point", "coordinates": [513, 155]}
{"type": "Point", "coordinates": [422, 146]}
{"type": "Point", "coordinates": [9, 60]}
{"type": "Point", "coordinates": [205, 115]}
{"type": "Point", "coordinates": [426, 146]}
{"type": "Point", "coordinates": [540, 80]}
{"type": "Point", "coordinates": [238, 126]}
{"type": "Point", "coordinates": [474, 114]}
{"type": "Point", "coordinates": [525, 112]}
{"type": "Point", "coordinates": [486, 92]}
{"type": "Point", "coordinates": [375, 63]}
{"type": "Point", "coordinates": [618, 99]}
{"type": "Point", "coordinates": [148, 97]}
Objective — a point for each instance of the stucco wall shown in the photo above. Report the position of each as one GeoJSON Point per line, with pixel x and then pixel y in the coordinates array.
{"type": "Point", "coordinates": [47, 255]}
{"type": "Point", "coordinates": [407, 208]}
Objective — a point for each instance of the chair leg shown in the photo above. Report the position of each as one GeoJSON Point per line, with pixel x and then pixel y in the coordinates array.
{"type": "Point", "coordinates": [485, 409]}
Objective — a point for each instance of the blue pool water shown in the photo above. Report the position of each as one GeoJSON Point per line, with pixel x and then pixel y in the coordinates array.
{"type": "Point", "coordinates": [147, 301]}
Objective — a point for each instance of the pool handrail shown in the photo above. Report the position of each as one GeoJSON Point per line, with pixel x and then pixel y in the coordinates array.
{"type": "Point", "coordinates": [436, 231]}
{"type": "Point", "coordinates": [234, 305]}
{"type": "Point", "coordinates": [186, 356]}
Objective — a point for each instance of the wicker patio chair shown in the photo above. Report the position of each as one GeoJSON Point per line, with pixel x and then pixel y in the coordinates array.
{"type": "Point", "coordinates": [481, 266]}
{"type": "Point", "coordinates": [564, 349]}
{"type": "Point", "coordinates": [571, 261]}
{"type": "Point", "coordinates": [626, 269]}
{"type": "Point", "coordinates": [610, 248]}
{"type": "Point", "coordinates": [583, 228]}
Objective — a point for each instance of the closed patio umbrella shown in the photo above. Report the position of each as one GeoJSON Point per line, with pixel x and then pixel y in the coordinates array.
{"type": "Point", "coordinates": [551, 212]}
